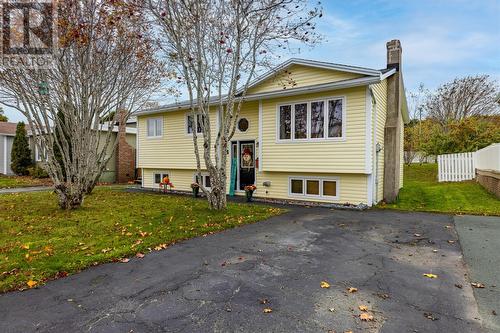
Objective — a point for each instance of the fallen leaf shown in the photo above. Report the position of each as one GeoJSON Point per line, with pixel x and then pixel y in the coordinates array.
{"type": "Point", "coordinates": [105, 250]}
{"type": "Point", "coordinates": [430, 316]}
{"type": "Point", "coordinates": [331, 309]}
{"type": "Point", "coordinates": [268, 310]}
{"type": "Point", "coordinates": [448, 227]}
{"type": "Point", "coordinates": [263, 301]}
{"type": "Point", "coordinates": [417, 235]}
{"type": "Point", "coordinates": [324, 284]}
{"type": "Point", "coordinates": [430, 275]}
{"type": "Point", "coordinates": [435, 251]}
{"type": "Point", "coordinates": [139, 255]}
{"type": "Point", "coordinates": [363, 308]}
{"type": "Point", "coordinates": [124, 260]}
{"type": "Point", "coordinates": [25, 246]}
{"type": "Point", "coordinates": [352, 289]}
{"type": "Point", "coordinates": [31, 283]}
{"type": "Point", "coordinates": [477, 285]}
{"type": "Point", "coordinates": [459, 286]}
{"type": "Point", "coordinates": [366, 317]}
{"type": "Point", "coordinates": [451, 241]}
{"type": "Point", "coordinates": [348, 332]}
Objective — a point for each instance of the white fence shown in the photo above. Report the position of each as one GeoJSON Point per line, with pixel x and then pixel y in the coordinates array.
{"type": "Point", "coordinates": [488, 158]}
{"type": "Point", "coordinates": [456, 167]}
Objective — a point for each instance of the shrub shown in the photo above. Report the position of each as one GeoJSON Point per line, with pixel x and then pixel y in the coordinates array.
{"type": "Point", "coordinates": [37, 172]}
{"type": "Point", "coordinates": [21, 153]}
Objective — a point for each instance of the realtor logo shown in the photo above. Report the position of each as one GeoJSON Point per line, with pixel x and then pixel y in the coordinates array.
{"type": "Point", "coordinates": [27, 33]}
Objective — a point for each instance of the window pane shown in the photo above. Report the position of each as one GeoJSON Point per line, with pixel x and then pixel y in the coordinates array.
{"type": "Point", "coordinates": [300, 121]}
{"type": "Point", "coordinates": [189, 124]}
{"type": "Point", "coordinates": [297, 186]}
{"type": "Point", "coordinates": [285, 122]}
{"type": "Point", "coordinates": [151, 127]}
{"type": "Point", "coordinates": [159, 125]}
{"type": "Point", "coordinates": [335, 118]}
{"type": "Point", "coordinates": [200, 123]}
{"type": "Point", "coordinates": [329, 188]}
{"type": "Point", "coordinates": [313, 187]}
{"type": "Point", "coordinates": [157, 178]}
{"type": "Point", "coordinates": [207, 181]}
{"type": "Point", "coordinates": [317, 119]}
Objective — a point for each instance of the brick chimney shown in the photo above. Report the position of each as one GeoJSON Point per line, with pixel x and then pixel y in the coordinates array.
{"type": "Point", "coordinates": [125, 153]}
{"type": "Point", "coordinates": [393, 123]}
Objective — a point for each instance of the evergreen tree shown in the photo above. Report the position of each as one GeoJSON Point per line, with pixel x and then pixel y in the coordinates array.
{"type": "Point", "coordinates": [3, 117]}
{"type": "Point", "coordinates": [21, 153]}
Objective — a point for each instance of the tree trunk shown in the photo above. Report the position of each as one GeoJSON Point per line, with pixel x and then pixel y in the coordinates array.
{"type": "Point", "coordinates": [68, 200]}
{"type": "Point", "coordinates": [217, 196]}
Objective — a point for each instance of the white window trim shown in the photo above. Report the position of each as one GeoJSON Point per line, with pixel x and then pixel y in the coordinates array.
{"type": "Point", "coordinates": [162, 173]}
{"type": "Point", "coordinates": [147, 128]}
{"type": "Point", "coordinates": [249, 125]}
{"type": "Point", "coordinates": [312, 196]}
{"type": "Point", "coordinates": [186, 125]}
{"type": "Point", "coordinates": [325, 128]}
{"type": "Point", "coordinates": [203, 175]}
{"type": "Point", "coordinates": [39, 157]}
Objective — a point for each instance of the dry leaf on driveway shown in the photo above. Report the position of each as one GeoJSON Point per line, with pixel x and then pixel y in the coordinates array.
{"type": "Point", "coordinates": [324, 284]}
{"type": "Point", "coordinates": [430, 275]}
{"type": "Point", "coordinates": [477, 284]}
{"type": "Point", "coordinates": [139, 255]}
{"type": "Point", "coordinates": [124, 260]}
{"type": "Point", "coordinates": [366, 317]}
{"type": "Point", "coordinates": [363, 308]}
{"type": "Point", "coordinates": [268, 310]}
{"type": "Point", "coordinates": [352, 289]}
{"type": "Point", "coordinates": [31, 283]}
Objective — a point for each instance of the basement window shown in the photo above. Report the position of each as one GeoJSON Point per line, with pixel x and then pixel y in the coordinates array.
{"type": "Point", "coordinates": [313, 187]}
{"type": "Point", "coordinates": [205, 180]}
{"type": "Point", "coordinates": [158, 177]}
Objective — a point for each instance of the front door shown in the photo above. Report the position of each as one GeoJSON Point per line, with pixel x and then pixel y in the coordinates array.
{"type": "Point", "coordinates": [246, 163]}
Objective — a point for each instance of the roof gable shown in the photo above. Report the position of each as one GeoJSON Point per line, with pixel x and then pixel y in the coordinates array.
{"type": "Point", "coordinates": [297, 73]}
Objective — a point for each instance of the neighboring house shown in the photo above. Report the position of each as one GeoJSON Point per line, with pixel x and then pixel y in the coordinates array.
{"type": "Point", "coordinates": [121, 167]}
{"type": "Point", "coordinates": [7, 134]}
{"type": "Point", "coordinates": [335, 136]}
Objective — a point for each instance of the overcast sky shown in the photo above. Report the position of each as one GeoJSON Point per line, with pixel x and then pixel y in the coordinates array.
{"type": "Point", "coordinates": [441, 39]}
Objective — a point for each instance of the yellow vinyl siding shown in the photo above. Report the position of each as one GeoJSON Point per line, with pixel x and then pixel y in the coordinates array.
{"type": "Point", "coordinates": [302, 76]}
{"type": "Point", "coordinates": [380, 93]}
{"type": "Point", "coordinates": [343, 156]}
{"type": "Point", "coordinates": [351, 188]}
{"type": "Point", "coordinates": [174, 149]}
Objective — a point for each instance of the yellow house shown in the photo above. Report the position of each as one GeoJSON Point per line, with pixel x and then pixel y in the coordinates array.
{"type": "Point", "coordinates": [334, 134]}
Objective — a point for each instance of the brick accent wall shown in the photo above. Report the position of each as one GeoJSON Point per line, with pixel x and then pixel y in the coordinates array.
{"type": "Point", "coordinates": [490, 180]}
{"type": "Point", "coordinates": [125, 156]}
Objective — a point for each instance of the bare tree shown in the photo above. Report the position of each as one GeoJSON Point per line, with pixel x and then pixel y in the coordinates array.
{"type": "Point", "coordinates": [462, 98]}
{"type": "Point", "coordinates": [216, 46]}
{"type": "Point", "coordinates": [104, 63]}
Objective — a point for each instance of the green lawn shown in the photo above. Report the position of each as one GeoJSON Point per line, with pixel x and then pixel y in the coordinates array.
{"type": "Point", "coordinates": [422, 192]}
{"type": "Point", "coordinates": [39, 242]}
{"type": "Point", "coordinates": [18, 181]}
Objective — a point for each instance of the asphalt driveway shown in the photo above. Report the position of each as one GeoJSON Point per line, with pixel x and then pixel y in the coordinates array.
{"type": "Point", "coordinates": [223, 282]}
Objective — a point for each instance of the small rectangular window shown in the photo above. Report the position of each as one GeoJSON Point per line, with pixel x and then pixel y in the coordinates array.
{"type": "Point", "coordinates": [190, 123]}
{"type": "Point", "coordinates": [317, 119]}
{"type": "Point", "coordinates": [285, 122]}
{"type": "Point", "coordinates": [158, 177]}
{"type": "Point", "coordinates": [312, 187]}
{"type": "Point", "coordinates": [335, 118]}
{"type": "Point", "coordinates": [330, 188]}
{"type": "Point", "coordinates": [297, 186]}
{"type": "Point", "coordinates": [300, 117]}
{"type": "Point", "coordinates": [207, 181]}
{"type": "Point", "coordinates": [155, 127]}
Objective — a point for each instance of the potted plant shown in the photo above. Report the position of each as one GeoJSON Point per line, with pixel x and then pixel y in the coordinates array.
{"type": "Point", "coordinates": [196, 189]}
{"type": "Point", "coordinates": [249, 189]}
